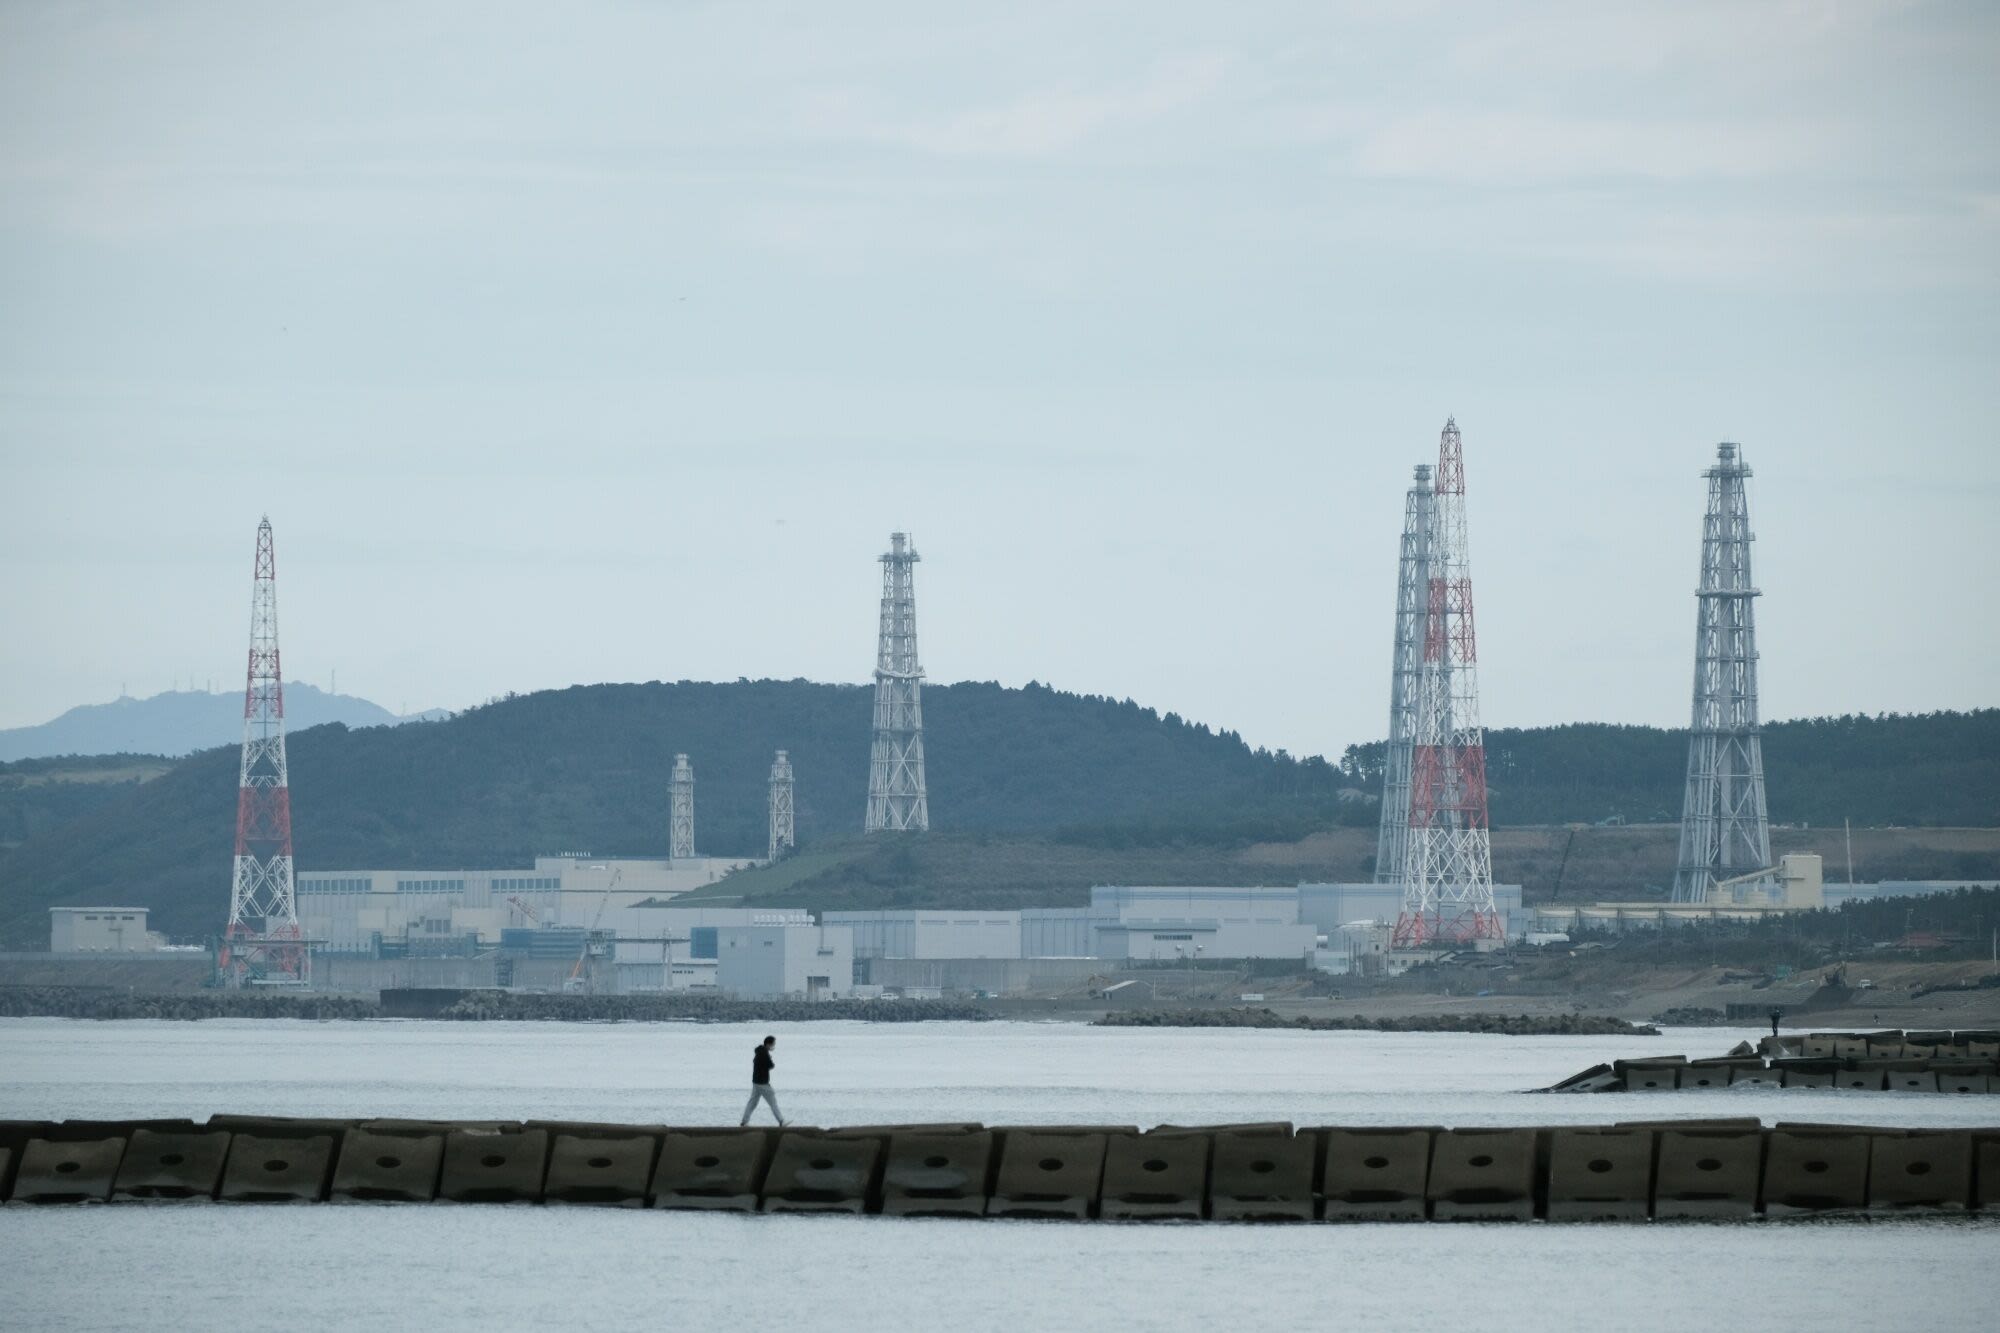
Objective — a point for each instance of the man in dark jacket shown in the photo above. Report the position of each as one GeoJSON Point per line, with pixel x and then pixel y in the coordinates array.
{"type": "Point", "coordinates": [760, 1081]}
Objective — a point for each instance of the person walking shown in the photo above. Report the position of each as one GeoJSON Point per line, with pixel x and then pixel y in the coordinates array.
{"type": "Point", "coordinates": [760, 1082]}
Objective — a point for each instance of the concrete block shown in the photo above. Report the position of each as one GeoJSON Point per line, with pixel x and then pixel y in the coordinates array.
{"type": "Point", "coordinates": [721, 1169]}
{"type": "Point", "coordinates": [1600, 1175]}
{"type": "Point", "coordinates": [292, 1169]}
{"type": "Point", "coordinates": [1047, 1175]}
{"type": "Point", "coordinates": [1807, 1078]}
{"type": "Point", "coordinates": [1911, 1080]}
{"type": "Point", "coordinates": [1704, 1074]}
{"type": "Point", "coordinates": [438, 1127]}
{"type": "Point", "coordinates": [1820, 1044]}
{"type": "Point", "coordinates": [1883, 1043]}
{"type": "Point", "coordinates": [931, 1174]}
{"type": "Point", "coordinates": [1850, 1048]}
{"type": "Point", "coordinates": [601, 1168]}
{"type": "Point", "coordinates": [77, 1171]}
{"type": "Point", "coordinates": [1597, 1078]}
{"type": "Point", "coordinates": [1986, 1171]}
{"type": "Point", "coordinates": [281, 1126]}
{"type": "Point", "coordinates": [1810, 1171]}
{"type": "Point", "coordinates": [1708, 1173]}
{"type": "Point", "coordinates": [398, 1167]}
{"type": "Point", "coordinates": [1923, 1170]}
{"type": "Point", "coordinates": [812, 1172]}
{"type": "Point", "coordinates": [494, 1168]}
{"type": "Point", "coordinates": [165, 1165]}
{"type": "Point", "coordinates": [1759, 1077]}
{"type": "Point", "coordinates": [1650, 1075]}
{"type": "Point", "coordinates": [1261, 1177]}
{"type": "Point", "coordinates": [1959, 1082]}
{"type": "Point", "coordinates": [1375, 1175]}
{"type": "Point", "coordinates": [1983, 1050]}
{"type": "Point", "coordinates": [1483, 1175]}
{"type": "Point", "coordinates": [1860, 1079]}
{"type": "Point", "coordinates": [1158, 1176]}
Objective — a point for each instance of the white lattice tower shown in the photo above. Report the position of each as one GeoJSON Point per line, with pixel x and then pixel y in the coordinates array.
{"type": "Point", "coordinates": [896, 800]}
{"type": "Point", "coordinates": [262, 942]}
{"type": "Point", "coordinates": [1725, 830]}
{"type": "Point", "coordinates": [1448, 860]}
{"type": "Point", "coordinates": [783, 834]}
{"type": "Point", "coordinates": [680, 814]}
{"type": "Point", "coordinates": [1412, 599]}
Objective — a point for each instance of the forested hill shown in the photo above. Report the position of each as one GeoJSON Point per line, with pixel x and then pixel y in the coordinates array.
{"type": "Point", "coordinates": [586, 769]}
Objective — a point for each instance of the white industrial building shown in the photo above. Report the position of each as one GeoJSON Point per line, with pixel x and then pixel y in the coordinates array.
{"type": "Point", "coordinates": [932, 934]}
{"type": "Point", "coordinates": [1330, 907]}
{"type": "Point", "coordinates": [679, 948]}
{"type": "Point", "coordinates": [101, 930]}
{"type": "Point", "coordinates": [806, 961]}
{"type": "Point", "coordinates": [443, 911]}
{"type": "Point", "coordinates": [1172, 922]}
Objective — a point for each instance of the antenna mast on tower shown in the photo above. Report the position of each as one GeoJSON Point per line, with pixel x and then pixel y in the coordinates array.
{"type": "Point", "coordinates": [782, 838]}
{"type": "Point", "coordinates": [681, 812]}
{"type": "Point", "coordinates": [262, 942]}
{"type": "Point", "coordinates": [1448, 857]}
{"type": "Point", "coordinates": [1725, 831]}
{"type": "Point", "coordinates": [1412, 599]}
{"type": "Point", "coordinates": [896, 801]}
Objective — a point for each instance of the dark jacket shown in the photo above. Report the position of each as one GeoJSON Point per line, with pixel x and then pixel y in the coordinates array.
{"type": "Point", "coordinates": [760, 1066]}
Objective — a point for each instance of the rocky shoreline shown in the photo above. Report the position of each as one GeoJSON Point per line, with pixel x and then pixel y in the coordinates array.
{"type": "Point", "coordinates": [83, 1002]}
{"type": "Point", "coordinates": [1505, 1025]}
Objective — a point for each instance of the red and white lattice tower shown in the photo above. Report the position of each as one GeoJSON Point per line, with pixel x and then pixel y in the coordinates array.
{"type": "Point", "coordinates": [263, 944]}
{"type": "Point", "coordinates": [1448, 856]}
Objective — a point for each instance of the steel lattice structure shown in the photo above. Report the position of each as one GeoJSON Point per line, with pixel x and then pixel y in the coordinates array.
{"type": "Point", "coordinates": [680, 813]}
{"type": "Point", "coordinates": [1448, 856]}
{"type": "Point", "coordinates": [1725, 830]}
{"type": "Point", "coordinates": [783, 838]}
{"type": "Point", "coordinates": [896, 801]}
{"type": "Point", "coordinates": [262, 943]}
{"type": "Point", "coordinates": [1412, 599]}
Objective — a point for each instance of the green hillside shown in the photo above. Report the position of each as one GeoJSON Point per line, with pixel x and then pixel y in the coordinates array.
{"type": "Point", "coordinates": [1032, 791]}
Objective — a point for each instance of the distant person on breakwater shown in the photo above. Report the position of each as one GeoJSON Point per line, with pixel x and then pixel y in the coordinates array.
{"type": "Point", "coordinates": [760, 1082]}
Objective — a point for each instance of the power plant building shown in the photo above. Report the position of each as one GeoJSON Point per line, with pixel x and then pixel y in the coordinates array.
{"type": "Point", "coordinates": [812, 962]}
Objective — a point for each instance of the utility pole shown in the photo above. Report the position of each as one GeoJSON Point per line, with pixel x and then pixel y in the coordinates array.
{"type": "Point", "coordinates": [262, 942]}
{"type": "Point", "coordinates": [1448, 860]}
{"type": "Point", "coordinates": [1725, 830]}
{"type": "Point", "coordinates": [896, 800]}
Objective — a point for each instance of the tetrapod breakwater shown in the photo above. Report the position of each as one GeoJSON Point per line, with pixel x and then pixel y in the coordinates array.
{"type": "Point", "coordinates": [1943, 1062]}
{"type": "Point", "coordinates": [1736, 1170]}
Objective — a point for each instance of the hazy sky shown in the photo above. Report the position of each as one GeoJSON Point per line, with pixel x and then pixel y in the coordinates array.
{"type": "Point", "coordinates": [609, 342]}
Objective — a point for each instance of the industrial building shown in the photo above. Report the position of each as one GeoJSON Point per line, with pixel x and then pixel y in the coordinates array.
{"type": "Point", "coordinates": [101, 930]}
{"type": "Point", "coordinates": [932, 934]}
{"type": "Point", "coordinates": [442, 913]}
{"type": "Point", "coordinates": [813, 962]}
{"type": "Point", "coordinates": [1332, 907]}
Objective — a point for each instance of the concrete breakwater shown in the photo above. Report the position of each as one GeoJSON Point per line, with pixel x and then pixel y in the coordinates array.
{"type": "Point", "coordinates": [1507, 1025]}
{"type": "Point", "coordinates": [86, 1002]}
{"type": "Point", "coordinates": [1944, 1062]}
{"type": "Point", "coordinates": [1630, 1171]}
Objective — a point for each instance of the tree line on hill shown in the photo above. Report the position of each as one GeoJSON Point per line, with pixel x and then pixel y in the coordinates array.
{"type": "Point", "coordinates": [586, 769]}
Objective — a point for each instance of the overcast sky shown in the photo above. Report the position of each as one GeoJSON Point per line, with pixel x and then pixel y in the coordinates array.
{"type": "Point", "coordinates": [596, 342]}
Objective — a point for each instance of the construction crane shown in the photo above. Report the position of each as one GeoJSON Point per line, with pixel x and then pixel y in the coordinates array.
{"type": "Point", "coordinates": [581, 975]}
{"type": "Point", "coordinates": [525, 910]}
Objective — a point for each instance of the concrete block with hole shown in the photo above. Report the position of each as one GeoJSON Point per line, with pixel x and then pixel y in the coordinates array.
{"type": "Point", "coordinates": [720, 1169]}
{"type": "Point", "coordinates": [390, 1167]}
{"type": "Point", "coordinates": [168, 1165]}
{"type": "Point", "coordinates": [1922, 1170]}
{"type": "Point", "coordinates": [1483, 1175]}
{"type": "Point", "coordinates": [1708, 1173]}
{"type": "Point", "coordinates": [814, 1172]}
{"type": "Point", "coordinates": [1600, 1175]}
{"type": "Point", "coordinates": [1258, 1176]}
{"type": "Point", "coordinates": [930, 1173]}
{"type": "Point", "coordinates": [1048, 1175]}
{"type": "Point", "coordinates": [611, 1170]}
{"type": "Point", "coordinates": [1156, 1177]}
{"type": "Point", "coordinates": [1815, 1170]}
{"type": "Point", "coordinates": [1375, 1175]}
{"type": "Point", "coordinates": [494, 1168]}
{"type": "Point", "coordinates": [276, 1170]}
{"type": "Point", "coordinates": [72, 1171]}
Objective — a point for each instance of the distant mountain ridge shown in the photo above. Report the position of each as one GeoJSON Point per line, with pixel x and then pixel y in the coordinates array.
{"type": "Point", "coordinates": [179, 722]}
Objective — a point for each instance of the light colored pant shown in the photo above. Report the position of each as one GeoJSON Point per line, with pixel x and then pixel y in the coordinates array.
{"type": "Point", "coordinates": [761, 1092]}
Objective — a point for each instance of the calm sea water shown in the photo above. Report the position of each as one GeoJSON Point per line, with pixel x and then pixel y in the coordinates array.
{"type": "Point", "coordinates": [443, 1267]}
